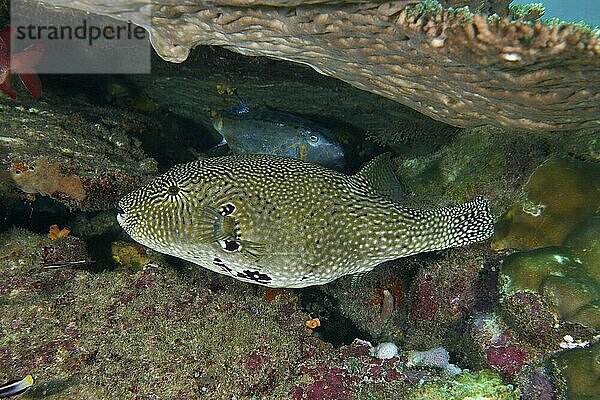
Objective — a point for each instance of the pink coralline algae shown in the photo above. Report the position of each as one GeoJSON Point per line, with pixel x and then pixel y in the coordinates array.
{"type": "Point", "coordinates": [508, 360]}
{"type": "Point", "coordinates": [425, 305]}
{"type": "Point", "coordinates": [331, 385]}
{"type": "Point", "coordinates": [339, 383]}
{"type": "Point", "coordinates": [256, 362]}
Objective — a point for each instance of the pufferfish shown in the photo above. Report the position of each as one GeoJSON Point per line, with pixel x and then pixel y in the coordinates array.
{"type": "Point", "coordinates": [282, 222]}
{"type": "Point", "coordinates": [266, 131]}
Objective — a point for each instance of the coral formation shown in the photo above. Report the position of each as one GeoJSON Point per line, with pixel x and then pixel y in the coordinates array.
{"type": "Point", "coordinates": [452, 65]}
{"type": "Point", "coordinates": [560, 194]}
{"type": "Point", "coordinates": [62, 154]}
{"type": "Point", "coordinates": [85, 329]}
{"type": "Point", "coordinates": [47, 179]}
{"type": "Point", "coordinates": [550, 293]}
{"type": "Point", "coordinates": [581, 369]}
{"type": "Point", "coordinates": [558, 280]}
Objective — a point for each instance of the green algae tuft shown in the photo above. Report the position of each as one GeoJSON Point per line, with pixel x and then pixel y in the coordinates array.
{"type": "Point", "coordinates": [468, 385]}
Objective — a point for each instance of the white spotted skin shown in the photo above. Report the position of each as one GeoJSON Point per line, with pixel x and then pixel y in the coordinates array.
{"type": "Point", "coordinates": [315, 224]}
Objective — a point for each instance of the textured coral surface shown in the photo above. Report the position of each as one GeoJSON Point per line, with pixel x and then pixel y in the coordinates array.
{"type": "Point", "coordinates": [450, 65]}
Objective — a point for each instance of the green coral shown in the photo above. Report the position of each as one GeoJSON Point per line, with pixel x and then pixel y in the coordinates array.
{"type": "Point", "coordinates": [558, 219]}
{"type": "Point", "coordinates": [429, 8]}
{"type": "Point", "coordinates": [531, 11]}
{"type": "Point", "coordinates": [561, 194]}
{"type": "Point", "coordinates": [581, 369]}
{"type": "Point", "coordinates": [561, 278]}
{"type": "Point", "coordinates": [581, 26]}
{"type": "Point", "coordinates": [424, 7]}
{"type": "Point", "coordinates": [468, 386]}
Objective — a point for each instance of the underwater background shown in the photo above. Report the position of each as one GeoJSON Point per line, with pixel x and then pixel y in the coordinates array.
{"type": "Point", "coordinates": [576, 10]}
{"type": "Point", "coordinates": [91, 314]}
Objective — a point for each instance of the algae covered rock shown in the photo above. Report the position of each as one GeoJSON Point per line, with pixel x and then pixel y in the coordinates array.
{"type": "Point", "coordinates": [468, 385]}
{"type": "Point", "coordinates": [581, 369]}
{"type": "Point", "coordinates": [559, 277]}
{"type": "Point", "coordinates": [560, 194]}
{"type": "Point", "coordinates": [84, 159]}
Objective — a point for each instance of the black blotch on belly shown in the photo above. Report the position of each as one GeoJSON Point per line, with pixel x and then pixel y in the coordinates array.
{"type": "Point", "coordinates": [217, 261]}
{"type": "Point", "coordinates": [254, 276]}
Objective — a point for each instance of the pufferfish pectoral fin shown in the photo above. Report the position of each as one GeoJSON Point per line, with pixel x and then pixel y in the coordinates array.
{"type": "Point", "coordinates": [211, 226]}
{"type": "Point", "coordinates": [380, 174]}
{"type": "Point", "coordinates": [252, 250]}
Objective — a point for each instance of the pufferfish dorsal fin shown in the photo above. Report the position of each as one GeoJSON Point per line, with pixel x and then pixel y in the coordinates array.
{"type": "Point", "coordinates": [379, 174]}
{"type": "Point", "coordinates": [211, 226]}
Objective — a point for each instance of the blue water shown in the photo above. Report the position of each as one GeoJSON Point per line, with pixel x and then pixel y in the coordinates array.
{"type": "Point", "coordinates": [571, 10]}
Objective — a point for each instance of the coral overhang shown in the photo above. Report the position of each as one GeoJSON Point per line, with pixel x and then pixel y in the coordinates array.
{"type": "Point", "coordinates": [461, 68]}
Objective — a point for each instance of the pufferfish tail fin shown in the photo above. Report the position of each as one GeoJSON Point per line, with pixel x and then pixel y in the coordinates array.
{"type": "Point", "coordinates": [467, 223]}
{"type": "Point", "coordinates": [452, 226]}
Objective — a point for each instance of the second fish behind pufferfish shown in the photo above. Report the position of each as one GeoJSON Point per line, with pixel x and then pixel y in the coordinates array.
{"type": "Point", "coordinates": [282, 222]}
{"type": "Point", "coordinates": [264, 131]}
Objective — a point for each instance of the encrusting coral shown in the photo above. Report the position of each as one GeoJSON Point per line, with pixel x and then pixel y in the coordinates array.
{"type": "Point", "coordinates": [461, 68]}
{"type": "Point", "coordinates": [550, 293]}
{"type": "Point", "coordinates": [47, 179]}
{"type": "Point", "coordinates": [561, 194]}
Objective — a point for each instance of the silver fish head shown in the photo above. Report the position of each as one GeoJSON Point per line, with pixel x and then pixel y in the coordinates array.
{"type": "Point", "coordinates": [320, 149]}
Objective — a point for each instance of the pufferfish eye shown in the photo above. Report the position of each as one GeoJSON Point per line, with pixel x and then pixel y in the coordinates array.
{"type": "Point", "coordinates": [173, 190]}
{"type": "Point", "coordinates": [313, 138]}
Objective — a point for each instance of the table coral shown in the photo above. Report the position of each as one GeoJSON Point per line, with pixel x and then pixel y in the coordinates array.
{"type": "Point", "coordinates": [462, 68]}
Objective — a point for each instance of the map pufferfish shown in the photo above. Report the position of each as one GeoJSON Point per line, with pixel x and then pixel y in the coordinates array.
{"type": "Point", "coordinates": [283, 222]}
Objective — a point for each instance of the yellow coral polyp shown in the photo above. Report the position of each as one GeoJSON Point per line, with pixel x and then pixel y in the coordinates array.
{"type": "Point", "coordinates": [129, 255]}
{"type": "Point", "coordinates": [56, 233]}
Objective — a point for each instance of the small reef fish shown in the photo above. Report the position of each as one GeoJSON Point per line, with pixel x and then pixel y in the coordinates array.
{"type": "Point", "coordinates": [14, 388]}
{"type": "Point", "coordinates": [23, 62]}
{"type": "Point", "coordinates": [283, 222]}
{"type": "Point", "coordinates": [266, 131]}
